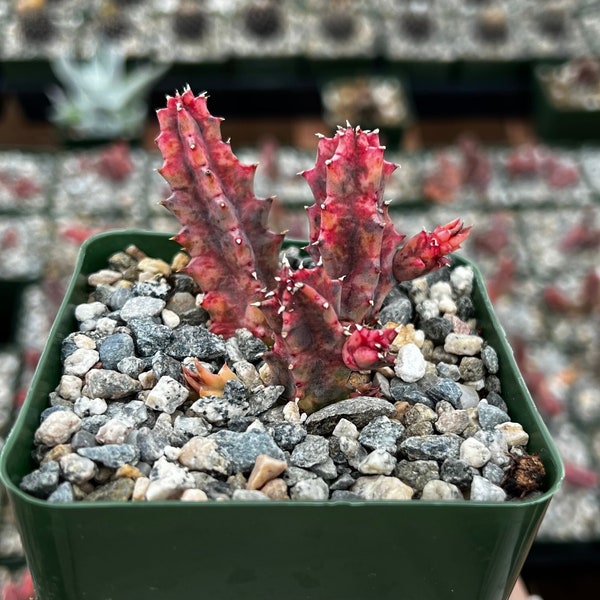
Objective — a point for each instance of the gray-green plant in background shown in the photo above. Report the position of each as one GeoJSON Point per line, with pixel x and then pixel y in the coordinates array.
{"type": "Point", "coordinates": [99, 97]}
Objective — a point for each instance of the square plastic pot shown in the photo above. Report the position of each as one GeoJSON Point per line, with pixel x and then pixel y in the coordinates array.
{"type": "Point", "coordinates": [414, 550]}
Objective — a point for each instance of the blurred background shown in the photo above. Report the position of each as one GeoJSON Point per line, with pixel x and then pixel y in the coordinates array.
{"type": "Point", "coordinates": [491, 108]}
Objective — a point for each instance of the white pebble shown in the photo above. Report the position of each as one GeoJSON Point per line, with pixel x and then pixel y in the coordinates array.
{"type": "Point", "coordinates": [113, 431]}
{"type": "Point", "coordinates": [410, 365]}
{"type": "Point", "coordinates": [80, 362]}
{"type": "Point", "coordinates": [106, 325]}
{"type": "Point", "coordinates": [474, 453]}
{"type": "Point", "coordinates": [77, 469]}
{"type": "Point", "coordinates": [140, 487]}
{"type": "Point", "coordinates": [483, 490]}
{"type": "Point", "coordinates": [436, 489]}
{"type": "Point", "coordinates": [167, 395]}
{"type": "Point", "coordinates": [69, 387]}
{"type": "Point", "coordinates": [462, 280]}
{"type": "Point", "coordinates": [89, 311]}
{"type": "Point", "coordinates": [194, 495]}
{"type": "Point", "coordinates": [378, 462]}
{"type": "Point", "coordinates": [170, 318]}
{"type": "Point", "coordinates": [347, 429]}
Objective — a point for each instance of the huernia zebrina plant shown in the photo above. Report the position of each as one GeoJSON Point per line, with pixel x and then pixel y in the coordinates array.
{"type": "Point", "coordinates": [320, 323]}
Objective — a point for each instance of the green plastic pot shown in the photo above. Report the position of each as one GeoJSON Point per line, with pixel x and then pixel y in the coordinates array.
{"type": "Point", "coordinates": [419, 550]}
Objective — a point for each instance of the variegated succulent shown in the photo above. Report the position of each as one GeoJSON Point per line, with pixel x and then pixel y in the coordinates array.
{"type": "Point", "coordinates": [321, 323]}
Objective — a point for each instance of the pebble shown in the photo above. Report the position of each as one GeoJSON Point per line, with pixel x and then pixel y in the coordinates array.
{"type": "Point", "coordinates": [463, 344]}
{"type": "Point", "coordinates": [378, 462]}
{"type": "Point", "coordinates": [474, 453]}
{"type": "Point", "coordinates": [265, 469]}
{"type": "Point", "coordinates": [167, 395]}
{"type": "Point", "coordinates": [410, 364]}
{"type": "Point", "coordinates": [168, 480]}
{"type": "Point", "coordinates": [123, 426]}
{"type": "Point", "coordinates": [440, 490]}
{"type": "Point", "coordinates": [57, 428]}
{"type": "Point", "coordinates": [483, 490]}
{"type": "Point", "coordinates": [513, 433]}
{"type": "Point", "coordinates": [107, 384]}
{"type": "Point", "coordinates": [310, 489]}
{"type": "Point", "coordinates": [141, 307]}
{"type": "Point", "coordinates": [310, 452]}
{"type": "Point", "coordinates": [382, 487]}
{"type": "Point", "coordinates": [80, 361]}
{"type": "Point", "coordinates": [77, 469]}
{"type": "Point", "coordinates": [202, 454]}
{"type": "Point", "coordinates": [111, 455]}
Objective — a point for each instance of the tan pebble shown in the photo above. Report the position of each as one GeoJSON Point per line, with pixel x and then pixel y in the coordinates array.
{"type": "Point", "coordinates": [514, 433]}
{"type": "Point", "coordinates": [265, 374]}
{"type": "Point", "coordinates": [180, 261]}
{"type": "Point", "coordinates": [357, 379]}
{"type": "Point", "coordinates": [147, 379]}
{"type": "Point", "coordinates": [84, 341]}
{"type": "Point", "coordinates": [265, 468]}
{"type": "Point", "coordinates": [155, 265]}
{"type": "Point", "coordinates": [56, 453]}
{"type": "Point", "coordinates": [146, 276]}
{"type": "Point", "coordinates": [194, 495]}
{"type": "Point", "coordinates": [124, 283]}
{"type": "Point", "coordinates": [237, 481]}
{"type": "Point", "coordinates": [387, 372]}
{"type": "Point", "coordinates": [276, 489]}
{"type": "Point", "coordinates": [139, 489]}
{"type": "Point", "coordinates": [401, 408]}
{"type": "Point", "coordinates": [104, 276]}
{"type": "Point", "coordinates": [406, 335]}
{"type": "Point", "coordinates": [128, 471]}
{"type": "Point", "coordinates": [81, 490]}
{"type": "Point", "coordinates": [135, 252]}
{"type": "Point", "coordinates": [291, 412]}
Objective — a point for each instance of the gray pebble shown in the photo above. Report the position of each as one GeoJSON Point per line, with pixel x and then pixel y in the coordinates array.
{"type": "Point", "coordinates": [417, 473]}
{"type": "Point", "coordinates": [310, 489]}
{"type": "Point", "coordinates": [242, 449]}
{"type": "Point", "coordinates": [111, 455]}
{"type": "Point", "coordinates": [360, 411]}
{"type": "Point", "coordinates": [108, 384]}
{"type": "Point", "coordinates": [310, 452]}
{"type": "Point", "coordinates": [115, 348]}
{"type": "Point", "coordinates": [483, 490]}
{"type": "Point", "coordinates": [431, 447]}
{"type": "Point", "coordinates": [62, 494]}
{"type": "Point", "coordinates": [43, 481]}
{"type": "Point", "coordinates": [381, 433]}
{"type": "Point", "coordinates": [490, 416]}
{"type": "Point", "coordinates": [191, 340]}
{"type": "Point", "coordinates": [140, 307]}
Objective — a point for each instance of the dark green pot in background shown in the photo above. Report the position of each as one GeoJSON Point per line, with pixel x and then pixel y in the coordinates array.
{"type": "Point", "coordinates": [414, 550]}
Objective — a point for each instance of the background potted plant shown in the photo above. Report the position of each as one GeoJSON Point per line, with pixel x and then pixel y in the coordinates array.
{"type": "Point", "coordinates": [321, 325]}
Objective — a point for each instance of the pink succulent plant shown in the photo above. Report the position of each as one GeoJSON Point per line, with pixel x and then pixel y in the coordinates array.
{"type": "Point", "coordinates": [321, 323]}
